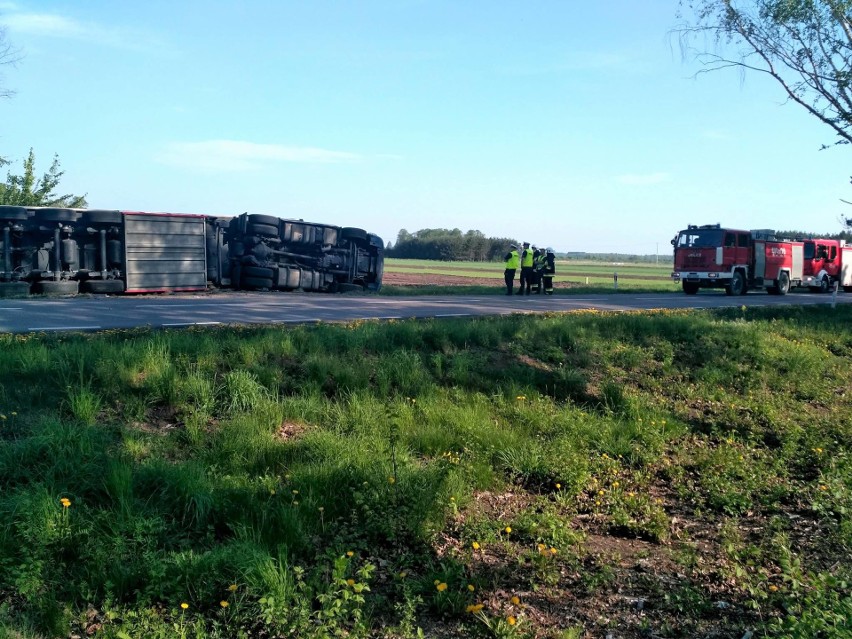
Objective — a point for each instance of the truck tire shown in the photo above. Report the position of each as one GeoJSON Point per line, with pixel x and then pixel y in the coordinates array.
{"type": "Point", "coordinates": [14, 289]}
{"type": "Point", "coordinates": [737, 285]}
{"type": "Point", "coordinates": [348, 288]}
{"type": "Point", "coordinates": [57, 215]}
{"type": "Point", "coordinates": [102, 217]}
{"type": "Point", "coordinates": [783, 285]}
{"type": "Point", "coordinates": [258, 271]}
{"type": "Point", "coordinates": [690, 288]}
{"type": "Point", "coordinates": [52, 287]}
{"type": "Point", "coordinates": [824, 284]}
{"type": "Point", "coordinates": [257, 282]}
{"type": "Point", "coordinates": [103, 286]}
{"type": "Point", "coordinates": [264, 219]}
{"type": "Point", "coordinates": [352, 233]}
{"type": "Point", "coordinates": [13, 213]}
{"type": "Point", "coordinates": [265, 230]}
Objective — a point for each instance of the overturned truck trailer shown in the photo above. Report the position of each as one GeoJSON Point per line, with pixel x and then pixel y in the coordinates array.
{"type": "Point", "coordinates": [66, 251]}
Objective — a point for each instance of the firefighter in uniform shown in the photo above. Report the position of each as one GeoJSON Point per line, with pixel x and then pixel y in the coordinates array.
{"type": "Point", "coordinates": [549, 271]}
{"type": "Point", "coordinates": [527, 270]}
{"type": "Point", "coordinates": [538, 268]}
{"type": "Point", "coordinates": [513, 261]}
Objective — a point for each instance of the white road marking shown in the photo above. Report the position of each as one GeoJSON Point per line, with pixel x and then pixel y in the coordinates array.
{"type": "Point", "coordinates": [10, 309]}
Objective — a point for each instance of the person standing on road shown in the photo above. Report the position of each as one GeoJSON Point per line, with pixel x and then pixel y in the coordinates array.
{"type": "Point", "coordinates": [538, 268]}
{"type": "Point", "coordinates": [549, 271]}
{"type": "Point", "coordinates": [513, 261]}
{"type": "Point", "coordinates": [527, 270]}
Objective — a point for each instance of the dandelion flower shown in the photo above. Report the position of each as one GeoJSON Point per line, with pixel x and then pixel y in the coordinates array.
{"type": "Point", "coordinates": [511, 621]}
{"type": "Point", "coordinates": [232, 588]}
{"type": "Point", "coordinates": [542, 547]}
{"type": "Point", "coordinates": [474, 608]}
{"type": "Point", "coordinates": [508, 529]}
{"type": "Point", "coordinates": [615, 484]}
{"type": "Point", "coordinates": [350, 582]}
{"type": "Point", "coordinates": [66, 503]}
{"type": "Point", "coordinates": [471, 587]}
{"type": "Point", "coordinates": [823, 487]}
{"type": "Point", "coordinates": [184, 605]}
{"type": "Point", "coordinates": [515, 599]}
{"type": "Point", "coordinates": [475, 545]}
{"type": "Point", "coordinates": [350, 553]}
{"type": "Point", "coordinates": [403, 575]}
{"type": "Point", "coordinates": [558, 486]}
{"type": "Point", "coordinates": [391, 480]}
{"type": "Point", "coordinates": [553, 550]}
{"type": "Point", "coordinates": [224, 603]}
{"type": "Point", "coordinates": [441, 587]}
{"type": "Point", "coordinates": [773, 588]}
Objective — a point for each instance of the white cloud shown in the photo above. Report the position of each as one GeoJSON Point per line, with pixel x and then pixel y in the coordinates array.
{"type": "Point", "coordinates": [637, 179]}
{"type": "Point", "coordinates": [54, 25]}
{"type": "Point", "coordinates": [236, 155]}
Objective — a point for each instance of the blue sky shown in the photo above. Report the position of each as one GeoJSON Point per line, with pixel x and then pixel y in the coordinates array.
{"type": "Point", "coordinates": [575, 125]}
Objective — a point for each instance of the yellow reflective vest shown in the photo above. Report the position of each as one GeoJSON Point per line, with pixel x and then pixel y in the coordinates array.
{"type": "Point", "coordinates": [528, 258]}
{"type": "Point", "coordinates": [514, 260]}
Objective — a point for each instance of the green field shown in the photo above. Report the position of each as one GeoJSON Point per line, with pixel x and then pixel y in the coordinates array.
{"type": "Point", "coordinates": [564, 476]}
{"type": "Point", "coordinates": [583, 276]}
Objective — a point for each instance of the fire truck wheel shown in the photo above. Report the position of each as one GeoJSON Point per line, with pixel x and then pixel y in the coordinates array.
{"type": "Point", "coordinates": [257, 282]}
{"type": "Point", "coordinates": [690, 288]}
{"type": "Point", "coordinates": [737, 285]}
{"type": "Point", "coordinates": [14, 289]}
{"type": "Point", "coordinates": [264, 219]}
{"type": "Point", "coordinates": [783, 284]}
{"type": "Point", "coordinates": [52, 287]}
{"type": "Point", "coordinates": [824, 285]}
{"type": "Point", "coordinates": [103, 286]}
{"type": "Point", "coordinates": [266, 230]}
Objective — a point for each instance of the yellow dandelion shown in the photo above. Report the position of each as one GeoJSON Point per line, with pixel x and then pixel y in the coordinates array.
{"type": "Point", "coordinates": [350, 582]}
{"type": "Point", "coordinates": [542, 547]}
{"type": "Point", "coordinates": [475, 545]}
{"type": "Point", "coordinates": [773, 588]}
{"type": "Point", "coordinates": [224, 603]}
{"type": "Point", "coordinates": [441, 587]}
{"type": "Point", "coordinates": [553, 550]}
{"type": "Point", "coordinates": [508, 529]}
{"type": "Point", "coordinates": [515, 599]}
{"type": "Point", "coordinates": [350, 553]}
{"type": "Point", "coordinates": [615, 484]}
{"type": "Point", "coordinates": [391, 480]}
{"type": "Point", "coordinates": [403, 575]}
{"type": "Point", "coordinates": [295, 492]}
{"type": "Point", "coordinates": [452, 498]}
{"type": "Point", "coordinates": [823, 487]}
{"type": "Point", "coordinates": [471, 587]}
{"type": "Point", "coordinates": [558, 486]}
{"type": "Point", "coordinates": [511, 621]}
{"type": "Point", "coordinates": [601, 492]}
{"type": "Point", "coordinates": [184, 605]}
{"type": "Point", "coordinates": [232, 588]}
{"type": "Point", "coordinates": [66, 503]}
{"type": "Point", "coordinates": [631, 494]}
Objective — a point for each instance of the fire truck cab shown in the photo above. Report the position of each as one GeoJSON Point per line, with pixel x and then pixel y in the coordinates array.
{"type": "Point", "coordinates": [823, 264]}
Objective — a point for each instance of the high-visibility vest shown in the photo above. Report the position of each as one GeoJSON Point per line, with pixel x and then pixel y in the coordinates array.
{"type": "Point", "coordinates": [513, 261]}
{"type": "Point", "coordinates": [527, 258]}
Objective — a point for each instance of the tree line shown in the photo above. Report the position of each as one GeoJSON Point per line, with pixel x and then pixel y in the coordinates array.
{"type": "Point", "coordinates": [449, 245]}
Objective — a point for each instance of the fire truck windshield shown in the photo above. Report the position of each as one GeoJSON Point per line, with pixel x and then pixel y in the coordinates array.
{"type": "Point", "coordinates": [699, 238]}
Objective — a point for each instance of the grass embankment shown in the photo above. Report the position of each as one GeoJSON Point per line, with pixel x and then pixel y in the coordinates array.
{"type": "Point", "coordinates": [664, 474]}
{"type": "Point", "coordinates": [573, 277]}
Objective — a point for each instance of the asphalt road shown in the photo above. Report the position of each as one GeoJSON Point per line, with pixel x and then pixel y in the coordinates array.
{"type": "Point", "coordinates": [101, 313]}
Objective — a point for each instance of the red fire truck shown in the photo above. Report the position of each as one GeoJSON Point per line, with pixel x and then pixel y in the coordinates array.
{"type": "Point", "coordinates": [710, 256]}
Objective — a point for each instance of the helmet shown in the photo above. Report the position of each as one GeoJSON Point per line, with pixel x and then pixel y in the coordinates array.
{"type": "Point", "coordinates": [549, 250]}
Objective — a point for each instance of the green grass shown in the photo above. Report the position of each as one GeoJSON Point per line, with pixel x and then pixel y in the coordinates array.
{"type": "Point", "coordinates": [326, 481]}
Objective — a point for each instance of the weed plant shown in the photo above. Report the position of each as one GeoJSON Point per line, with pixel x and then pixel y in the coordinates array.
{"type": "Point", "coordinates": [432, 478]}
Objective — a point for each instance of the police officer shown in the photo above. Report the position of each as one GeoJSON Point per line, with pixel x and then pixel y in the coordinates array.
{"type": "Point", "coordinates": [549, 271]}
{"type": "Point", "coordinates": [513, 261]}
{"type": "Point", "coordinates": [527, 271]}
